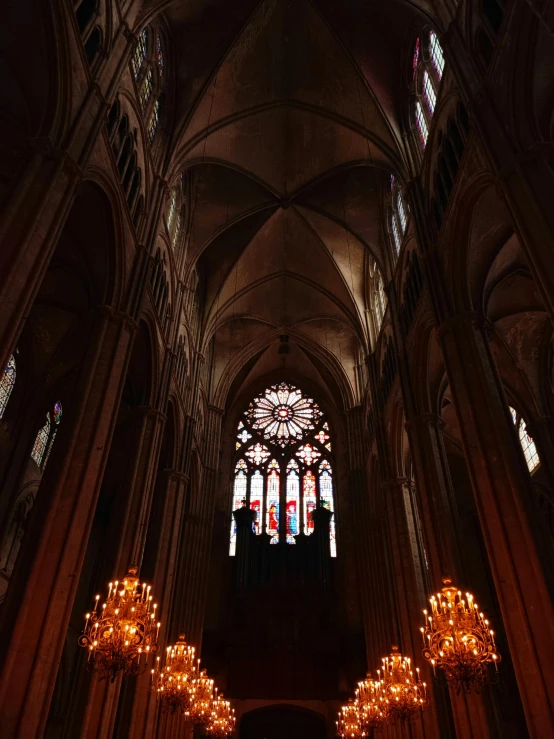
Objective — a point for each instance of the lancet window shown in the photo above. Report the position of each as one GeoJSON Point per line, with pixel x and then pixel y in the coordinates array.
{"type": "Point", "coordinates": [526, 441]}
{"type": "Point", "coordinates": [283, 468]}
{"type": "Point", "coordinates": [174, 219]}
{"type": "Point", "coordinates": [399, 214]}
{"type": "Point", "coordinates": [147, 64]}
{"type": "Point", "coordinates": [46, 436]}
{"type": "Point", "coordinates": [6, 384]}
{"type": "Point", "coordinates": [428, 69]}
{"type": "Point", "coordinates": [377, 297]}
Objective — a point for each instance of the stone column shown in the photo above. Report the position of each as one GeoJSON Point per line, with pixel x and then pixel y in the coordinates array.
{"type": "Point", "coordinates": [520, 565]}
{"type": "Point", "coordinates": [36, 613]}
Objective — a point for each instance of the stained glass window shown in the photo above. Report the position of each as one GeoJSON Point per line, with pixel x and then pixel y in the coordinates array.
{"type": "Point", "coordinates": [396, 234]}
{"type": "Point", "coordinates": [153, 122]}
{"type": "Point", "coordinates": [401, 210]}
{"type": "Point", "coordinates": [309, 499]}
{"type": "Point", "coordinates": [421, 123]}
{"type": "Point", "coordinates": [415, 61]}
{"type": "Point", "coordinates": [177, 231]}
{"type": "Point", "coordinates": [41, 441]}
{"type": "Point", "coordinates": [146, 90]}
{"type": "Point", "coordinates": [239, 498]}
{"type": "Point", "coordinates": [293, 501]}
{"type": "Point", "coordinates": [171, 211]}
{"type": "Point", "coordinates": [281, 441]}
{"type": "Point", "coordinates": [6, 384]}
{"type": "Point", "coordinates": [284, 414]}
{"type": "Point", "coordinates": [436, 54]}
{"type": "Point", "coordinates": [272, 502]}
{"type": "Point", "coordinates": [159, 55]}
{"type": "Point", "coordinates": [257, 499]}
{"type": "Point", "coordinates": [527, 444]}
{"type": "Point", "coordinates": [429, 93]}
{"type": "Point", "coordinates": [141, 50]}
{"type": "Point", "coordinates": [326, 497]}
{"type": "Point", "coordinates": [399, 219]}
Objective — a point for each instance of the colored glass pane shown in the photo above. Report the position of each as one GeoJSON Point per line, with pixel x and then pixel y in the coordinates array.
{"type": "Point", "coordinates": [153, 122]}
{"type": "Point", "coordinates": [141, 50]}
{"type": "Point", "coordinates": [41, 441]}
{"type": "Point", "coordinates": [309, 500]}
{"type": "Point", "coordinates": [429, 93]}
{"type": "Point", "coordinates": [321, 436]}
{"type": "Point", "coordinates": [57, 412]}
{"type": "Point", "coordinates": [308, 454]}
{"type": "Point", "coordinates": [415, 61]}
{"type": "Point", "coordinates": [293, 502]}
{"type": "Point", "coordinates": [421, 123]}
{"type": "Point", "coordinates": [401, 209]}
{"type": "Point", "coordinates": [283, 413]}
{"type": "Point", "coordinates": [258, 454]}
{"type": "Point", "coordinates": [256, 499]}
{"type": "Point", "coordinates": [327, 499]}
{"type": "Point", "coordinates": [159, 55]}
{"type": "Point", "coordinates": [272, 503]}
{"type": "Point", "coordinates": [146, 90]}
{"type": "Point", "coordinates": [396, 234]}
{"type": "Point", "coordinates": [6, 384]}
{"type": "Point", "coordinates": [171, 211]}
{"type": "Point", "coordinates": [239, 499]}
{"type": "Point", "coordinates": [243, 436]}
{"type": "Point", "coordinates": [436, 54]}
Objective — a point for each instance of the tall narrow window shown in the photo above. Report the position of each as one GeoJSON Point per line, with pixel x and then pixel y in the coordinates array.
{"type": "Point", "coordinates": [153, 122]}
{"type": "Point", "coordinates": [399, 216]}
{"type": "Point", "coordinates": [436, 54]}
{"type": "Point", "coordinates": [177, 232]}
{"type": "Point", "coordinates": [273, 499]}
{"type": "Point", "coordinates": [146, 90]}
{"type": "Point", "coordinates": [421, 123]}
{"type": "Point", "coordinates": [429, 93]}
{"type": "Point", "coordinates": [141, 50]}
{"type": "Point", "coordinates": [281, 439]}
{"type": "Point", "coordinates": [293, 501]}
{"type": "Point", "coordinates": [172, 207]}
{"type": "Point", "coordinates": [400, 209]}
{"type": "Point", "coordinates": [527, 444]}
{"type": "Point", "coordinates": [327, 499]}
{"type": "Point", "coordinates": [6, 384]}
{"type": "Point", "coordinates": [159, 55]}
{"type": "Point", "coordinates": [41, 441]}
{"type": "Point", "coordinates": [239, 498]}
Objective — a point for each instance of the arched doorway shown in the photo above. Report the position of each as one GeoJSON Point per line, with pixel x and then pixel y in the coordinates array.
{"type": "Point", "coordinates": [280, 722]}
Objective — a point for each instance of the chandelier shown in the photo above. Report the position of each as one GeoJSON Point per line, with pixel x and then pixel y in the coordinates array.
{"type": "Point", "coordinates": [175, 681]}
{"type": "Point", "coordinates": [124, 630]}
{"type": "Point", "coordinates": [202, 699]}
{"type": "Point", "coordinates": [372, 703]}
{"type": "Point", "coordinates": [349, 724]}
{"type": "Point", "coordinates": [457, 639]}
{"type": "Point", "coordinates": [402, 693]}
{"type": "Point", "coordinates": [222, 721]}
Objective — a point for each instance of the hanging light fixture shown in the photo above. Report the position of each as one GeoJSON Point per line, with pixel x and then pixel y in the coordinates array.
{"type": "Point", "coordinates": [349, 724]}
{"type": "Point", "coordinates": [372, 704]}
{"type": "Point", "coordinates": [458, 639]}
{"type": "Point", "coordinates": [175, 680]}
{"type": "Point", "coordinates": [222, 721]}
{"type": "Point", "coordinates": [121, 634]}
{"type": "Point", "coordinates": [202, 699]}
{"type": "Point", "coordinates": [403, 693]}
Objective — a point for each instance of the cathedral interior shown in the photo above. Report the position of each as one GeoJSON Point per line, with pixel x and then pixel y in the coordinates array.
{"type": "Point", "coordinates": [277, 289]}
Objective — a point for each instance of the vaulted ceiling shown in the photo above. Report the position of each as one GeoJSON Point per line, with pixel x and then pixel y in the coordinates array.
{"type": "Point", "coordinates": [289, 118]}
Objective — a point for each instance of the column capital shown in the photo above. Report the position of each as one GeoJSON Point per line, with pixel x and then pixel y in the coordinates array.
{"type": "Point", "coordinates": [425, 419]}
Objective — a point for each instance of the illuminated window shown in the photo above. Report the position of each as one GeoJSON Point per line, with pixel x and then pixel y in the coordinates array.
{"type": "Point", "coordinates": [421, 123]}
{"type": "Point", "coordinates": [177, 232]}
{"type": "Point", "coordinates": [44, 440]}
{"type": "Point", "coordinates": [429, 93]}
{"type": "Point", "coordinates": [159, 55]}
{"type": "Point", "coordinates": [436, 54]}
{"type": "Point", "coordinates": [283, 443]}
{"type": "Point", "coordinates": [415, 60]}
{"type": "Point", "coordinates": [399, 217]}
{"type": "Point", "coordinates": [146, 90]}
{"type": "Point", "coordinates": [141, 50]}
{"type": "Point", "coordinates": [153, 122]}
{"type": "Point", "coordinates": [6, 384]}
{"type": "Point", "coordinates": [526, 441]}
{"type": "Point", "coordinates": [400, 209]}
{"type": "Point", "coordinates": [172, 207]}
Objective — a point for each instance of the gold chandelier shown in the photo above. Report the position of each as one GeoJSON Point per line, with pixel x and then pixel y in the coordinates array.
{"type": "Point", "coordinates": [457, 638]}
{"type": "Point", "coordinates": [372, 703]}
{"type": "Point", "coordinates": [402, 692]}
{"type": "Point", "coordinates": [202, 699]}
{"type": "Point", "coordinates": [222, 720]}
{"type": "Point", "coordinates": [174, 682]}
{"type": "Point", "coordinates": [349, 724]}
{"type": "Point", "coordinates": [124, 630]}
